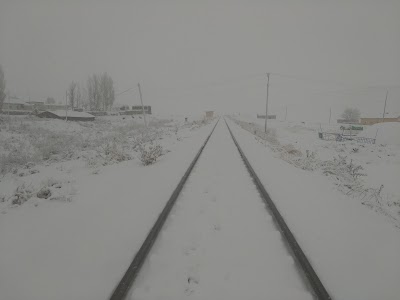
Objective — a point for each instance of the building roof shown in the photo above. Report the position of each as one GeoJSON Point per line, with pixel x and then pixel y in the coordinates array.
{"type": "Point", "coordinates": [15, 101]}
{"type": "Point", "coordinates": [71, 114]}
{"type": "Point", "coordinates": [35, 102]}
{"type": "Point", "coordinates": [379, 116]}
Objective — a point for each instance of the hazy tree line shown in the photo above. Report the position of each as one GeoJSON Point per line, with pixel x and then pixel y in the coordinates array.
{"type": "Point", "coordinates": [97, 95]}
{"type": "Point", "coordinates": [351, 114]}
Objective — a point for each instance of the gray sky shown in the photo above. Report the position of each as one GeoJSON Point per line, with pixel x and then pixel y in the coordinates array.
{"type": "Point", "coordinates": [192, 56]}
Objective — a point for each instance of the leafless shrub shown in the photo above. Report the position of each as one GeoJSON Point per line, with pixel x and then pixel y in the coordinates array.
{"type": "Point", "coordinates": [17, 157]}
{"type": "Point", "coordinates": [22, 194]}
{"type": "Point", "coordinates": [149, 153]}
{"type": "Point", "coordinates": [112, 152]}
{"type": "Point", "coordinates": [44, 193]}
{"type": "Point", "coordinates": [341, 167]}
{"type": "Point", "coordinates": [53, 145]}
{"type": "Point", "coordinates": [269, 136]}
{"type": "Point", "coordinates": [290, 149]}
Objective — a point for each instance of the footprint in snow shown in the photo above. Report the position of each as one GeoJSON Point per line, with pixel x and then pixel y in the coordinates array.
{"type": "Point", "coordinates": [192, 282]}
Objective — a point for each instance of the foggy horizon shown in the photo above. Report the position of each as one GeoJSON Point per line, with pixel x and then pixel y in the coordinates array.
{"type": "Point", "coordinates": [199, 149]}
{"type": "Point", "coordinates": [210, 55]}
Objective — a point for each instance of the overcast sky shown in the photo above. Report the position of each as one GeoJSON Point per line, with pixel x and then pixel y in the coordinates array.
{"type": "Point", "coordinates": [191, 56]}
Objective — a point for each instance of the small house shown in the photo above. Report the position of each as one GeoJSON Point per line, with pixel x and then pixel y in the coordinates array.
{"type": "Point", "coordinates": [270, 117]}
{"type": "Point", "coordinates": [375, 120]}
{"type": "Point", "coordinates": [16, 104]}
{"type": "Point", "coordinates": [209, 114]}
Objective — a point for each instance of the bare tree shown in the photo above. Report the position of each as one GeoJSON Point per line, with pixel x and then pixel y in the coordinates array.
{"type": "Point", "coordinates": [100, 90]}
{"type": "Point", "coordinates": [78, 96]}
{"type": "Point", "coordinates": [2, 88]}
{"type": "Point", "coordinates": [107, 91]}
{"type": "Point", "coordinates": [84, 97]}
{"type": "Point", "coordinates": [93, 88]}
{"type": "Point", "coordinates": [72, 94]}
{"type": "Point", "coordinates": [351, 114]}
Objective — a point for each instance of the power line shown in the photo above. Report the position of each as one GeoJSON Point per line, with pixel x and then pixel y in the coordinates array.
{"type": "Point", "coordinates": [214, 84]}
{"type": "Point", "coordinates": [118, 94]}
{"type": "Point", "coordinates": [310, 79]}
{"type": "Point", "coordinates": [335, 81]}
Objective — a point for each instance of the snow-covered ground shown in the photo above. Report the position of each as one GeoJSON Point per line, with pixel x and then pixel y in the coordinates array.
{"type": "Point", "coordinates": [220, 242]}
{"type": "Point", "coordinates": [77, 242]}
{"type": "Point", "coordinates": [354, 250]}
{"type": "Point", "coordinates": [368, 173]}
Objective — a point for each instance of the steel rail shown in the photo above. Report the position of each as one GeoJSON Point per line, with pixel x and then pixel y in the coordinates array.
{"type": "Point", "coordinates": [312, 277]}
{"type": "Point", "coordinates": [125, 284]}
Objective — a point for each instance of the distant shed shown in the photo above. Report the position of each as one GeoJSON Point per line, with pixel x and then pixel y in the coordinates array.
{"type": "Point", "coordinates": [209, 114]}
{"type": "Point", "coordinates": [71, 115]}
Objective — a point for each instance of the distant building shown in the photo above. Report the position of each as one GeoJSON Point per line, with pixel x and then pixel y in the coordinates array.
{"type": "Point", "coordinates": [270, 117]}
{"type": "Point", "coordinates": [209, 114]}
{"type": "Point", "coordinates": [343, 121]}
{"type": "Point", "coordinates": [69, 115]}
{"type": "Point", "coordinates": [375, 120]}
{"type": "Point", "coordinates": [54, 106]}
{"type": "Point", "coordinates": [137, 109]}
{"type": "Point", "coordinates": [97, 113]}
{"type": "Point", "coordinates": [18, 106]}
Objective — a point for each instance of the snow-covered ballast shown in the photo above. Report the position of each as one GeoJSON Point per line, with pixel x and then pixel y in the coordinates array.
{"type": "Point", "coordinates": [69, 115]}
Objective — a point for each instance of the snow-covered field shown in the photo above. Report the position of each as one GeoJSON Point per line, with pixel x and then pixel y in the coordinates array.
{"type": "Point", "coordinates": [33, 150]}
{"type": "Point", "coordinates": [77, 199]}
{"type": "Point", "coordinates": [354, 250]}
{"type": "Point", "coordinates": [368, 173]}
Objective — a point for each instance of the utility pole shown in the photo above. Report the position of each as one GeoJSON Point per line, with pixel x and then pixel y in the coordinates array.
{"type": "Point", "coordinates": [384, 108]}
{"type": "Point", "coordinates": [66, 105]}
{"type": "Point", "coordinates": [286, 114]}
{"type": "Point", "coordinates": [330, 114]}
{"type": "Point", "coordinates": [141, 100]}
{"type": "Point", "coordinates": [266, 106]}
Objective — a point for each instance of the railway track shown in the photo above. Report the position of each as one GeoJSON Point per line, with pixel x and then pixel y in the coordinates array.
{"type": "Point", "coordinates": [225, 241]}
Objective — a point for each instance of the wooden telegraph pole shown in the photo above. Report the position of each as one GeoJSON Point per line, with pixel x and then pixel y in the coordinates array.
{"type": "Point", "coordinates": [141, 100]}
{"type": "Point", "coordinates": [384, 108]}
{"type": "Point", "coordinates": [266, 105]}
{"type": "Point", "coordinates": [66, 105]}
{"type": "Point", "coordinates": [330, 114]}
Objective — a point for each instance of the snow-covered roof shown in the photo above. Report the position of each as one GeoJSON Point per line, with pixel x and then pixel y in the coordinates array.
{"type": "Point", "coordinates": [76, 114]}
{"type": "Point", "coordinates": [16, 101]}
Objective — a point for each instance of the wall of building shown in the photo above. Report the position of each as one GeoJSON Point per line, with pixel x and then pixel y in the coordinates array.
{"type": "Point", "coordinates": [372, 121]}
{"type": "Point", "coordinates": [31, 107]}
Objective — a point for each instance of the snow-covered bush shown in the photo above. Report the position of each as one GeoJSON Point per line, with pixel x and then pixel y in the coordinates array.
{"type": "Point", "coordinates": [44, 193]}
{"type": "Point", "coordinates": [16, 157]}
{"type": "Point", "coordinates": [269, 136]}
{"type": "Point", "coordinates": [56, 146]}
{"type": "Point", "coordinates": [149, 153]}
{"type": "Point", "coordinates": [339, 166]}
{"type": "Point", "coordinates": [110, 152]}
{"type": "Point", "coordinates": [22, 194]}
{"type": "Point", "coordinates": [290, 149]}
